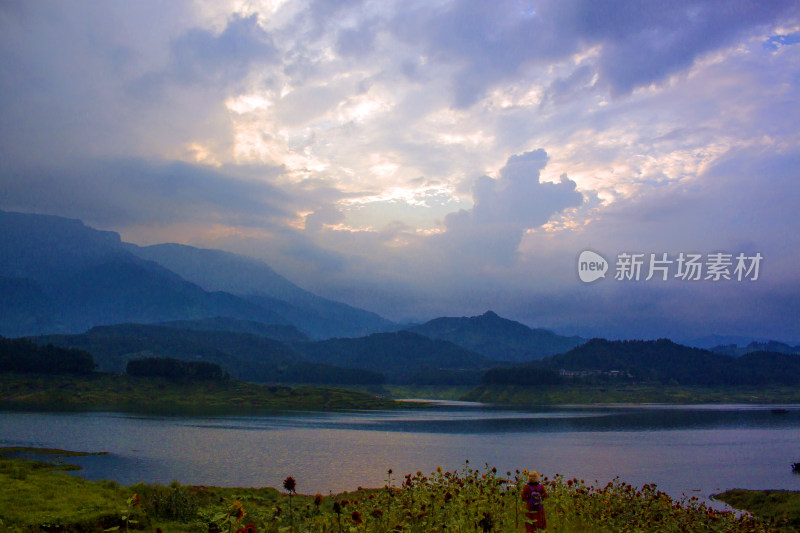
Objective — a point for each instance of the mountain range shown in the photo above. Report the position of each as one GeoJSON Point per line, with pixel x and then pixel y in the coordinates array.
{"type": "Point", "coordinates": [59, 276]}
{"type": "Point", "coordinates": [70, 285]}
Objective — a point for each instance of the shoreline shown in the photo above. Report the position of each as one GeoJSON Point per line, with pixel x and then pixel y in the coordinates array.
{"type": "Point", "coordinates": [573, 505]}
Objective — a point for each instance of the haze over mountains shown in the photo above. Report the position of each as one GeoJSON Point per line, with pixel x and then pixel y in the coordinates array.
{"type": "Point", "coordinates": [59, 276]}
{"type": "Point", "coordinates": [75, 286]}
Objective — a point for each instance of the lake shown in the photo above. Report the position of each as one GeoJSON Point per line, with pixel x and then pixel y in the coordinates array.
{"type": "Point", "coordinates": [691, 450]}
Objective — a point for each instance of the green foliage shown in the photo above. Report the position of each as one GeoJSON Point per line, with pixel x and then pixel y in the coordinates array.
{"type": "Point", "coordinates": [39, 496]}
{"type": "Point", "coordinates": [175, 502]}
{"type": "Point", "coordinates": [22, 355]}
{"type": "Point", "coordinates": [780, 507]}
{"type": "Point", "coordinates": [629, 393]}
{"type": "Point", "coordinates": [174, 369]}
{"type": "Point", "coordinates": [661, 361]}
{"type": "Point", "coordinates": [469, 500]}
{"type": "Point", "coordinates": [160, 395]}
{"type": "Point", "coordinates": [247, 356]}
{"type": "Point", "coordinates": [526, 375]}
{"type": "Point", "coordinates": [320, 373]}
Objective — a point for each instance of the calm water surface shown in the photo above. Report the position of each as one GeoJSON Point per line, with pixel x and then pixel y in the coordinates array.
{"type": "Point", "coordinates": [692, 450]}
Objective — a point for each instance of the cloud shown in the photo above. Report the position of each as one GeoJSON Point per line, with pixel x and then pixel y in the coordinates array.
{"type": "Point", "coordinates": [132, 192]}
{"type": "Point", "coordinates": [505, 207]}
{"type": "Point", "coordinates": [636, 43]}
{"type": "Point", "coordinates": [366, 149]}
{"type": "Point", "coordinates": [202, 56]}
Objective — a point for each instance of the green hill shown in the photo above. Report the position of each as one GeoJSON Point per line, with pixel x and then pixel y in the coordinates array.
{"type": "Point", "coordinates": [244, 355]}
{"type": "Point", "coordinates": [497, 338]}
{"type": "Point", "coordinates": [661, 361]}
{"type": "Point", "coordinates": [400, 355]}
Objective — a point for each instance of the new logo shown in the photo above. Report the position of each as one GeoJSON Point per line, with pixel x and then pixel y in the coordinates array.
{"type": "Point", "coordinates": [591, 266]}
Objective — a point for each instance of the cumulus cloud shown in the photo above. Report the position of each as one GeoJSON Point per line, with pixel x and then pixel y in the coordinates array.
{"type": "Point", "coordinates": [505, 207]}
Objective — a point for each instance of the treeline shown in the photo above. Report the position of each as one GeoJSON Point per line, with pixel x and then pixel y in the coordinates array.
{"type": "Point", "coordinates": [661, 361]}
{"type": "Point", "coordinates": [22, 355]}
{"type": "Point", "coordinates": [521, 375]}
{"type": "Point", "coordinates": [175, 369]}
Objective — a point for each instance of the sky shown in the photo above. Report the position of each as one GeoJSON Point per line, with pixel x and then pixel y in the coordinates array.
{"type": "Point", "coordinates": [433, 158]}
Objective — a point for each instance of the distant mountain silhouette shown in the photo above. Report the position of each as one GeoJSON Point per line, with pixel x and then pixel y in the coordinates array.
{"type": "Point", "coordinates": [400, 355]}
{"type": "Point", "coordinates": [497, 338]}
{"type": "Point", "coordinates": [58, 275]}
{"type": "Point", "coordinates": [770, 346]}
{"type": "Point", "coordinates": [255, 281]}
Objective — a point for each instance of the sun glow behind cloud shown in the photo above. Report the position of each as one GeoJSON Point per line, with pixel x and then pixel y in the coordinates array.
{"type": "Point", "coordinates": [375, 142]}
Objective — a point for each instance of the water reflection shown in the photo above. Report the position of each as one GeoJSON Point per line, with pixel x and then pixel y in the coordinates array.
{"type": "Point", "coordinates": [696, 450]}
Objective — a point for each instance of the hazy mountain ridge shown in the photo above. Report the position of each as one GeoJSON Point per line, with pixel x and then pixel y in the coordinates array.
{"type": "Point", "coordinates": [58, 275]}
{"type": "Point", "coordinates": [278, 332]}
{"type": "Point", "coordinates": [258, 283]}
{"type": "Point", "coordinates": [496, 337]}
{"type": "Point", "coordinates": [770, 346]}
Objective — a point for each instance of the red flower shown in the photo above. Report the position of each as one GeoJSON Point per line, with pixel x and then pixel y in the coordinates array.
{"type": "Point", "coordinates": [356, 517]}
{"type": "Point", "coordinates": [289, 484]}
{"type": "Point", "coordinates": [250, 528]}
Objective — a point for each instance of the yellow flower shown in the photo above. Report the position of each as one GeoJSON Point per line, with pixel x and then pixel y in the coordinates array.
{"type": "Point", "coordinates": [236, 510]}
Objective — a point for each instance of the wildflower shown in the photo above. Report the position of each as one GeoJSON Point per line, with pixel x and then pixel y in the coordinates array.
{"type": "Point", "coordinates": [317, 500]}
{"type": "Point", "coordinates": [356, 517]}
{"type": "Point", "coordinates": [250, 528]}
{"type": "Point", "coordinates": [289, 484]}
{"type": "Point", "coordinates": [236, 510]}
{"type": "Point", "coordinates": [337, 508]}
{"type": "Point", "coordinates": [376, 513]}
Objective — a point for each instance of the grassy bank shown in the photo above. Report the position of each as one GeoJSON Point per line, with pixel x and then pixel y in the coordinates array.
{"type": "Point", "coordinates": [625, 393]}
{"type": "Point", "coordinates": [121, 392]}
{"type": "Point", "coordinates": [38, 496]}
{"type": "Point", "coordinates": [776, 506]}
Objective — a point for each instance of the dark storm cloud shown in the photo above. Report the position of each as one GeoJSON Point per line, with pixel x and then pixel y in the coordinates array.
{"type": "Point", "coordinates": [639, 42]}
{"type": "Point", "coordinates": [129, 192]}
